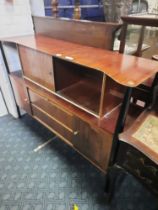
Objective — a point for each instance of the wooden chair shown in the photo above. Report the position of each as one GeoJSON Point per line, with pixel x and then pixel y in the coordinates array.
{"type": "Point", "coordinates": [135, 150]}
{"type": "Point", "coordinates": [130, 152]}
{"type": "Point", "coordinates": [142, 92]}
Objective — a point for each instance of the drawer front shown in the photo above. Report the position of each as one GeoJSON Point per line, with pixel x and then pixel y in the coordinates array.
{"type": "Point", "coordinates": [55, 112]}
{"type": "Point", "coordinates": [51, 124]}
{"type": "Point", "coordinates": [37, 66]}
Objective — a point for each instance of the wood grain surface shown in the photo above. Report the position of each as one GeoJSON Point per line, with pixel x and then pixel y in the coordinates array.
{"type": "Point", "coordinates": [124, 69]}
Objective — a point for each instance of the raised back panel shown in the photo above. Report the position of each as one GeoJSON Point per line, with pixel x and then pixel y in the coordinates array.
{"type": "Point", "coordinates": [88, 33]}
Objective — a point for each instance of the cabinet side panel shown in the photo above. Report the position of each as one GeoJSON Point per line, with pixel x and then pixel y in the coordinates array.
{"type": "Point", "coordinates": [21, 94]}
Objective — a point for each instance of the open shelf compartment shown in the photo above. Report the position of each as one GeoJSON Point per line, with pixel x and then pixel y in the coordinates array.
{"type": "Point", "coordinates": [87, 88]}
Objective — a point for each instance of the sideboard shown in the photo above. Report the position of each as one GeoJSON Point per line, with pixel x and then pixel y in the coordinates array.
{"type": "Point", "coordinates": [75, 90]}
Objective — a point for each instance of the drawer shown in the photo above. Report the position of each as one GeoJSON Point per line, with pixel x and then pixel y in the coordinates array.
{"type": "Point", "coordinates": [51, 109]}
{"type": "Point", "coordinates": [51, 124]}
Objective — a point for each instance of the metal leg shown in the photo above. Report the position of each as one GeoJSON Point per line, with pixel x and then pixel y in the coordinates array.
{"type": "Point", "coordinates": [111, 179]}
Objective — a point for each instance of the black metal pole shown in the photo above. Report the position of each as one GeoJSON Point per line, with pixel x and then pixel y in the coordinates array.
{"type": "Point", "coordinates": [120, 124]}
{"type": "Point", "coordinates": [111, 177]}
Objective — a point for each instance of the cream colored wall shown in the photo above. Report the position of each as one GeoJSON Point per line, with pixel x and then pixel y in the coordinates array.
{"type": "Point", "coordinates": [153, 4]}
{"type": "Point", "coordinates": [3, 110]}
{"type": "Point", "coordinates": [37, 7]}
{"type": "Point", "coordinates": [15, 20]}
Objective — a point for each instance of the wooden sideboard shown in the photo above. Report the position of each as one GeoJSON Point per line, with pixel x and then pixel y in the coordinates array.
{"type": "Point", "coordinates": [76, 91]}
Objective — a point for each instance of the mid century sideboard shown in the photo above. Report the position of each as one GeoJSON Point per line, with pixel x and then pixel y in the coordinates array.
{"type": "Point", "coordinates": [76, 90]}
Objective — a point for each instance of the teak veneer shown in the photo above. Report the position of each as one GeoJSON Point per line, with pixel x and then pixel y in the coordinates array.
{"type": "Point", "coordinates": [76, 91]}
{"type": "Point", "coordinates": [125, 69]}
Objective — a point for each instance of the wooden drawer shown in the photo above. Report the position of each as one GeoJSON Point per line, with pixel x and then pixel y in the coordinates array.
{"type": "Point", "coordinates": [51, 124]}
{"type": "Point", "coordinates": [37, 66]}
{"type": "Point", "coordinates": [51, 109]}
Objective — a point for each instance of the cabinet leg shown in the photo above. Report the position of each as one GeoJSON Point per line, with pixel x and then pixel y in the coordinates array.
{"type": "Point", "coordinates": [114, 175]}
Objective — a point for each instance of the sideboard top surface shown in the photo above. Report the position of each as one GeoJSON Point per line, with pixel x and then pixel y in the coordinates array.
{"type": "Point", "coordinates": [124, 69]}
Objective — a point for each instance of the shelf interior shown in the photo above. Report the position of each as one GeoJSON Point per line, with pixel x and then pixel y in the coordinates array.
{"type": "Point", "coordinates": [80, 85]}
{"type": "Point", "coordinates": [113, 96]}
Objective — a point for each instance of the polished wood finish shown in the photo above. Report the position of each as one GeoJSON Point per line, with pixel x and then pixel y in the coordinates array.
{"type": "Point", "coordinates": [47, 119]}
{"type": "Point", "coordinates": [93, 143]}
{"type": "Point", "coordinates": [37, 66]}
{"type": "Point", "coordinates": [56, 112]}
{"type": "Point", "coordinates": [59, 74]}
{"type": "Point", "coordinates": [78, 84]}
{"type": "Point", "coordinates": [106, 124]}
{"type": "Point", "coordinates": [89, 33]}
{"type": "Point", "coordinates": [20, 91]}
{"type": "Point", "coordinates": [99, 135]}
{"type": "Point", "coordinates": [124, 69]}
{"type": "Point", "coordinates": [90, 136]}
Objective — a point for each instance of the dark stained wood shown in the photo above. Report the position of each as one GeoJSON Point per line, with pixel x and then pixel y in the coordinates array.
{"type": "Point", "coordinates": [37, 66]}
{"type": "Point", "coordinates": [144, 20]}
{"type": "Point", "coordinates": [83, 32]}
{"type": "Point", "coordinates": [124, 69]}
{"type": "Point", "coordinates": [20, 91]}
{"type": "Point", "coordinates": [140, 42]}
{"type": "Point", "coordinates": [123, 37]}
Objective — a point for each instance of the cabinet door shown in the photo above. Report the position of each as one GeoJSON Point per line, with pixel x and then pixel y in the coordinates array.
{"type": "Point", "coordinates": [37, 66]}
{"type": "Point", "coordinates": [93, 143]}
{"type": "Point", "coordinates": [20, 92]}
